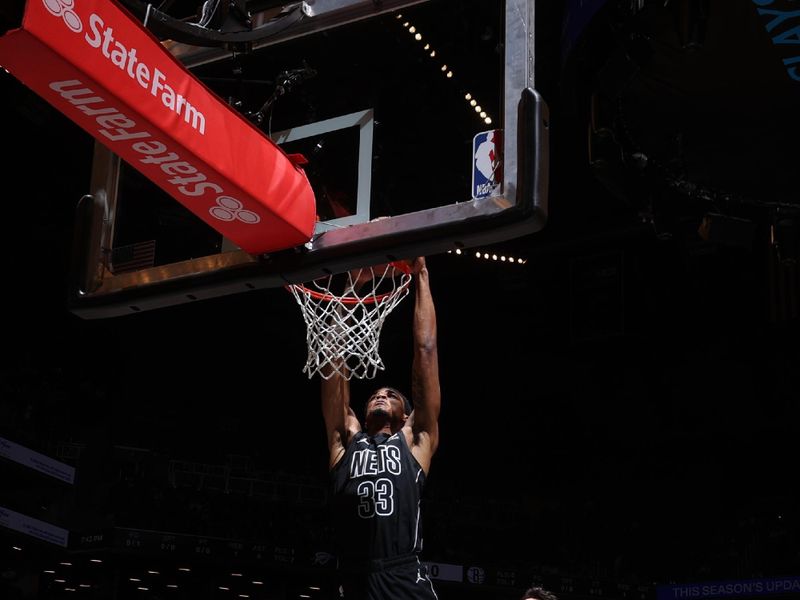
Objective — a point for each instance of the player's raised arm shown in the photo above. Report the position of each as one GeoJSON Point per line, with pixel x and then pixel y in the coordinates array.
{"type": "Point", "coordinates": [340, 420]}
{"type": "Point", "coordinates": [425, 390]}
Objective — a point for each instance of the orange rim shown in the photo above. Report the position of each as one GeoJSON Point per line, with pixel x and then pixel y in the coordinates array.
{"type": "Point", "coordinates": [399, 265]}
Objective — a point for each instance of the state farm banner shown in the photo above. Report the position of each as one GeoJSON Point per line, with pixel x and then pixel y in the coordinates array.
{"type": "Point", "coordinates": [95, 63]}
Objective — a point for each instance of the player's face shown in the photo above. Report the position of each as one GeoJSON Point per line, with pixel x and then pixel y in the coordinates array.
{"type": "Point", "coordinates": [385, 400]}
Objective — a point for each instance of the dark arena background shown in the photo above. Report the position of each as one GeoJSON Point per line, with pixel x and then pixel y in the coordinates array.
{"type": "Point", "coordinates": [620, 408]}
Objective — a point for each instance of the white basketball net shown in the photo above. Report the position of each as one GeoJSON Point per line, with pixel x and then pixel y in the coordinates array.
{"type": "Point", "coordinates": [343, 330]}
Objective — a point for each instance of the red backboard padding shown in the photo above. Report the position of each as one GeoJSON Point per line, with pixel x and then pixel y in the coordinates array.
{"type": "Point", "coordinates": [96, 64]}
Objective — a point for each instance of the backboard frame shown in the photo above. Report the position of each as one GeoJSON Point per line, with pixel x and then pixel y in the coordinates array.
{"type": "Point", "coordinates": [519, 211]}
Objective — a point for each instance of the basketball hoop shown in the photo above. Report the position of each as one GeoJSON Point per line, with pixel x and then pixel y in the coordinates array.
{"type": "Point", "coordinates": [344, 315]}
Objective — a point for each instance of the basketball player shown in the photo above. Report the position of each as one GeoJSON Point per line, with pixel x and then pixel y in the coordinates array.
{"type": "Point", "coordinates": [378, 471]}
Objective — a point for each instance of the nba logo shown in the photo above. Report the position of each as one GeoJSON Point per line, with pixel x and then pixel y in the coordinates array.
{"type": "Point", "coordinates": [487, 164]}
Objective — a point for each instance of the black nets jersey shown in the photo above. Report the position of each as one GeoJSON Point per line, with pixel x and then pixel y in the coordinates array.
{"type": "Point", "coordinates": [377, 489]}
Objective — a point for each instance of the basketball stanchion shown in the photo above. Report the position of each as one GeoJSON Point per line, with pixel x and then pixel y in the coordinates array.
{"type": "Point", "coordinates": [344, 315]}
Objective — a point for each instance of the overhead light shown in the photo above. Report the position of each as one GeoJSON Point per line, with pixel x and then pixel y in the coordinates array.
{"type": "Point", "coordinates": [444, 68]}
{"type": "Point", "coordinates": [496, 257]}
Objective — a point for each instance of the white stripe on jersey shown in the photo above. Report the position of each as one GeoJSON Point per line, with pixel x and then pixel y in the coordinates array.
{"type": "Point", "coordinates": [416, 526]}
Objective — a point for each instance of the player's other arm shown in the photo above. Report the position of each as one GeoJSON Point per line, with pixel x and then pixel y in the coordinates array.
{"type": "Point", "coordinates": [425, 390]}
{"type": "Point", "coordinates": [341, 422]}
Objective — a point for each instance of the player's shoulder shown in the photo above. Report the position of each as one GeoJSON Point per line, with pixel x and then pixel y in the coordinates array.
{"type": "Point", "coordinates": [356, 436]}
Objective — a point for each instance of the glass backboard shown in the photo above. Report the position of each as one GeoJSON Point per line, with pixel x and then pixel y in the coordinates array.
{"type": "Point", "coordinates": [421, 131]}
